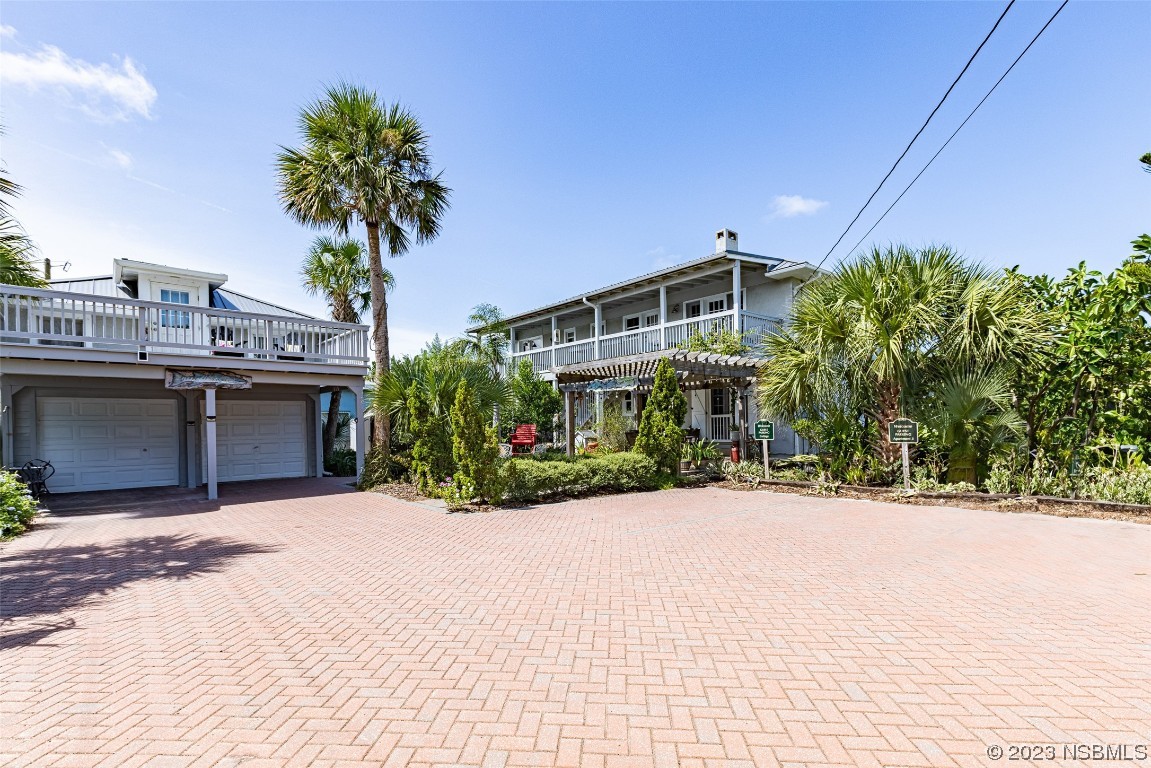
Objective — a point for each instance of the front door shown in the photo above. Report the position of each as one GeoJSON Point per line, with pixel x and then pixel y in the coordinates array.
{"type": "Point", "coordinates": [175, 325]}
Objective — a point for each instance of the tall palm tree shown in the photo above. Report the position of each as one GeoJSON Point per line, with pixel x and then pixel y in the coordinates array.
{"type": "Point", "coordinates": [367, 162]}
{"type": "Point", "coordinates": [864, 337]}
{"type": "Point", "coordinates": [337, 269]}
{"type": "Point", "coordinates": [490, 343]}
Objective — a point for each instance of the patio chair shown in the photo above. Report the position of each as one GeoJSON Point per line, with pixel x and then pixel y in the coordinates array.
{"type": "Point", "coordinates": [35, 474]}
{"type": "Point", "coordinates": [524, 436]}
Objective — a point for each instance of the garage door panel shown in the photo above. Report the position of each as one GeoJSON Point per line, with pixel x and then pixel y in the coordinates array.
{"type": "Point", "coordinates": [105, 443]}
{"type": "Point", "coordinates": [260, 440]}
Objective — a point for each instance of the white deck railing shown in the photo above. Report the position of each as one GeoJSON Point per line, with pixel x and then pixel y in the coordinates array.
{"type": "Point", "coordinates": [651, 339]}
{"type": "Point", "coordinates": [34, 316]}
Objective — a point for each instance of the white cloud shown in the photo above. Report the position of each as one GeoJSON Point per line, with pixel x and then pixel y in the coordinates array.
{"type": "Point", "coordinates": [120, 158]}
{"type": "Point", "coordinates": [789, 206]}
{"type": "Point", "coordinates": [7, 31]}
{"type": "Point", "coordinates": [104, 91]}
{"type": "Point", "coordinates": [661, 259]}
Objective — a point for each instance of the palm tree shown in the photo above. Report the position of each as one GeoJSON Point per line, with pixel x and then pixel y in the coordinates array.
{"type": "Point", "coordinates": [863, 338]}
{"type": "Point", "coordinates": [368, 162]}
{"type": "Point", "coordinates": [490, 343]}
{"type": "Point", "coordinates": [337, 269]}
{"type": "Point", "coordinates": [972, 414]}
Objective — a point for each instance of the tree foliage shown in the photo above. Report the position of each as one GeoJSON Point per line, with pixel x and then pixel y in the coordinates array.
{"type": "Point", "coordinates": [432, 443]}
{"type": "Point", "coordinates": [17, 251]}
{"type": "Point", "coordinates": [475, 448]}
{"type": "Point", "coordinates": [534, 401]}
{"type": "Point", "coordinates": [661, 426]}
{"type": "Point", "coordinates": [717, 341]}
{"type": "Point", "coordinates": [363, 161]}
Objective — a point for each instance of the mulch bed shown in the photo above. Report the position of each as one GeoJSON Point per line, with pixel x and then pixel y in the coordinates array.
{"type": "Point", "coordinates": [1046, 505]}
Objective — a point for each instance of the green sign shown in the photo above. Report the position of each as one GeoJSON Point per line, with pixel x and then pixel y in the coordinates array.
{"type": "Point", "coordinates": [903, 431]}
{"type": "Point", "coordinates": [764, 430]}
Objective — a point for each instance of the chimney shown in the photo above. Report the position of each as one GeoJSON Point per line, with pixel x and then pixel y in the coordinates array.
{"type": "Point", "coordinates": [726, 240]}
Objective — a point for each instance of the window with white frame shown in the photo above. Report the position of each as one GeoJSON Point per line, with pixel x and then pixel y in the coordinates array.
{"type": "Point", "coordinates": [527, 345]}
{"type": "Point", "coordinates": [173, 318]}
{"type": "Point", "coordinates": [569, 335]}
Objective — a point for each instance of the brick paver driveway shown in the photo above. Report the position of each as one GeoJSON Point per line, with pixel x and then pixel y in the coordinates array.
{"type": "Point", "coordinates": [702, 627]}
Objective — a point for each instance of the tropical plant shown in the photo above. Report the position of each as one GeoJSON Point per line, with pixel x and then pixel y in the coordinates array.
{"type": "Point", "coordinates": [437, 373]}
{"type": "Point", "coordinates": [490, 341]}
{"type": "Point", "coordinates": [660, 427]}
{"type": "Point", "coordinates": [971, 416]}
{"type": "Point", "coordinates": [862, 340]}
{"type": "Point", "coordinates": [368, 162]}
{"type": "Point", "coordinates": [716, 341]}
{"type": "Point", "coordinates": [534, 401]}
{"type": "Point", "coordinates": [337, 269]}
{"type": "Point", "coordinates": [475, 448]}
{"type": "Point", "coordinates": [611, 428]}
{"type": "Point", "coordinates": [699, 451]}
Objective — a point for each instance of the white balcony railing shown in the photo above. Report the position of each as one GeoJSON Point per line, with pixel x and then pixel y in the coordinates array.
{"type": "Point", "coordinates": [31, 316]}
{"type": "Point", "coordinates": [651, 339]}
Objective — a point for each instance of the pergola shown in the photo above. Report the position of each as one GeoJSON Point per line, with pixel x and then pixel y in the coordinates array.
{"type": "Point", "coordinates": [636, 373]}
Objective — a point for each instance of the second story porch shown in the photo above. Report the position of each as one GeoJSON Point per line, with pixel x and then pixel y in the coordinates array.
{"type": "Point", "coordinates": [66, 325]}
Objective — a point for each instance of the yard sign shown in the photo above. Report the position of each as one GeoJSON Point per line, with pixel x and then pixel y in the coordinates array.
{"type": "Point", "coordinates": [765, 431]}
{"type": "Point", "coordinates": [904, 431]}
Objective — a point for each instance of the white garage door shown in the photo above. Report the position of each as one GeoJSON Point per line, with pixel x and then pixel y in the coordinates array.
{"type": "Point", "coordinates": [260, 439]}
{"type": "Point", "coordinates": [104, 443]}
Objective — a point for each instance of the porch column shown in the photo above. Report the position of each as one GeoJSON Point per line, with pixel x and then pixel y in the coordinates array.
{"type": "Point", "coordinates": [191, 421]}
{"type": "Point", "coordinates": [569, 417]}
{"type": "Point", "coordinates": [555, 332]}
{"type": "Point", "coordinates": [598, 326]}
{"type": "Point", "coordinates": [663, 317]}
{"type": "Point", "coordinates": [736, 299]}
{"type": "Point", "coordinates": [210, 440]}
{"type": "Point", "coordinates": [359, 429]}
{"type": "Point", "coordinates": [7, 415]}
{"type": "Point", "coordinates": [319, 429]}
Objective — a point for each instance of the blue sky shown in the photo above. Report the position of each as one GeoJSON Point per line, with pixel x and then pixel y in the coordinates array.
{"type": "Point", "coordinates": [585, 143]}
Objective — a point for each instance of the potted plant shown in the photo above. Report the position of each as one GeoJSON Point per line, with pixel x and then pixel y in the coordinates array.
{"type": "Point", "coordinates": [685, 458]}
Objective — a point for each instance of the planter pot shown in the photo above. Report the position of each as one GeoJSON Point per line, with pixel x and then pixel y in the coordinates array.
{"type": "Point", "coordinates": [684, 466]}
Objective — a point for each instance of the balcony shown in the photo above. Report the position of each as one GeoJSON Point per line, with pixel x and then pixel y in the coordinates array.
{"type": "Point", "coordinates": [652, 339]}
{"type": "Point", "coordinates": [65, 325]}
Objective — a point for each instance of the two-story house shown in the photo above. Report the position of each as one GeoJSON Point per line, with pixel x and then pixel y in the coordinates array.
{"type": "Point", "coordinates": [729, 290]}
{"type": "Point", "coordinates": [157, 375]}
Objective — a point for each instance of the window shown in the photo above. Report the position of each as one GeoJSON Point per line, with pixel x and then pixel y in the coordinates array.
{"type": "Point", "coordinates": [650, 319]}
{"type": "Point", "coordinates": [628, 403]}
{"type": "Point", "coordinates": [720, 402]}
{"type": "Point", "coordinates": [691, 309]}
{"type": "Point", "coordinates": [716, 304]}
{"type": "Point", "coordinates": [569, 335]}
{"type": "Point", "coordinates": [631, 323]}
{"type": "Point", "coordinates": [171, 318]}
{"type": "Point", "coordinates": [527, 345]}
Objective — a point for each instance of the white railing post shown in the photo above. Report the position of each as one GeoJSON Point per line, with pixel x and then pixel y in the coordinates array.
{"type": "Point", "coordinates": [663, 317]}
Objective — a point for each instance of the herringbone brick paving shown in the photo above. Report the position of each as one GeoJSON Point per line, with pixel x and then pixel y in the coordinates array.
{"type": "Point", "coordinates": [683, 628]}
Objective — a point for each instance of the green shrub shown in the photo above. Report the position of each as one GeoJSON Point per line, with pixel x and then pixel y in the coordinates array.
{"type": "Point", "coordinates": [660, 431]}
{"type": "Point", "coordinates": [531, 480]}
{"type": "Point", "coordinates": [475, 448]}
{"type": "Point", "coordinates": [534, 401]}
{"type": "Point", "coordinates": [17, 507]}
{"type": "Point", "coordinates": [341, 462]}
{"type": "Point", "coordinates": [742, 472]}
{"type": "Point", "coordinates": [611, 430]}
{"type": "Point", "coordinates": [432, 452]}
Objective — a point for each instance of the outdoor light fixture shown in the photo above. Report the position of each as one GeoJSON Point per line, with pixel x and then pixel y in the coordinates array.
{"type": "Point", "coordinates": [675, 309]}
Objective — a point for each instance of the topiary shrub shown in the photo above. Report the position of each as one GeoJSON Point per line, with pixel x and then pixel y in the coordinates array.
{"type": "Point", "coordinates": [17, 507]}
{"type": "Point", "coordinates": [660, 428]}
{"type": "Point", "coordinates": [476, 450]}
{"type": "Point", "coordinates": [432, 452]}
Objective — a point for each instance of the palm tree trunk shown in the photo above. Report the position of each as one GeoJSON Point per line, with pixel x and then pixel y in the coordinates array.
{"type": "Point", "coordinates": [887, 412]}
{"type": "Point", "coordinates": [332, 427]}
{"type": "Point", "coordinates": [382, 434]}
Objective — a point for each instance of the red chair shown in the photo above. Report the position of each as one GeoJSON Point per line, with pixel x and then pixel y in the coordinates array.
{"type": "Point", "coordinates": [523, 437]}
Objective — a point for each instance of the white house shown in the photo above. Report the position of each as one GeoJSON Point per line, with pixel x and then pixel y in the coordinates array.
{"type": "Point", "coordinates": [729, 290]}
{"type": "Point", "coordinates": [160, 376]}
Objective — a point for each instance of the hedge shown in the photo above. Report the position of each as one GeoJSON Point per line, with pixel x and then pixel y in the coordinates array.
{"type": "Point", "coordinates": [530, 480]}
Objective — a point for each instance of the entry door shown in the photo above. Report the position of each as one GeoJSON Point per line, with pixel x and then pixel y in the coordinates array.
{"type": "Point", "coordinates": [175, 325]}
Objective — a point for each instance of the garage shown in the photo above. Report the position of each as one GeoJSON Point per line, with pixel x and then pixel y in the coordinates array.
{"type": "Point", "coordinates": [103, 443]}
{"type": "Point", "coordinates": [256, 440]}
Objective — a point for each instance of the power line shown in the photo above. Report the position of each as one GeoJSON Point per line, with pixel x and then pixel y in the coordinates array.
{"type": "Point", "coordinates": [957, 130]}
{"type": "Point", "coordinates": [917, 134]}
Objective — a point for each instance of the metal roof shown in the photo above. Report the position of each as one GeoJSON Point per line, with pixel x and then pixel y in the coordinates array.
{"type": "Point", "coordinates": [772, 264]}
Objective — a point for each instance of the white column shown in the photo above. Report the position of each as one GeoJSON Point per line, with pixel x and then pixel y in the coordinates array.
{"type": "Point", "coordinates": [7, 414]}
{"type": "Point", "coordinates": [318, 442]}
{"type": "Point", "coordinates": [598, 326]}
{"type": "Point", "coordinates": [361, 434]}
{"type": "Point", "coordinates": [210, 440]}
{"type": "Point", "coordinates": [736, 298]}
{"type": "Point", "coordinates": [191, 421]}
{"type": "Point", "coordinates": [555, 333]}
{"type": "Point", "coordinates": [663, 317]}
